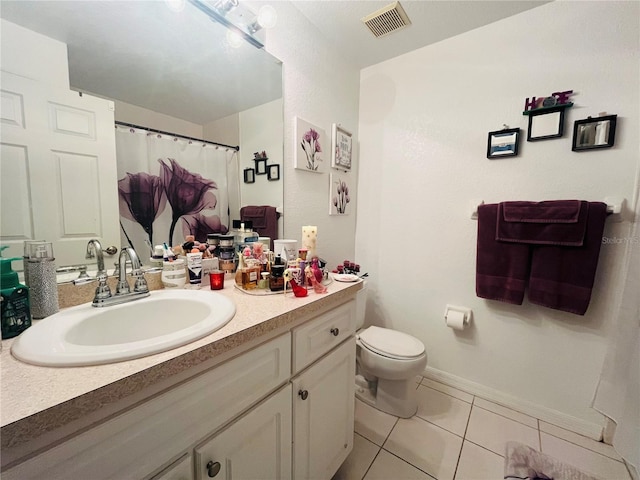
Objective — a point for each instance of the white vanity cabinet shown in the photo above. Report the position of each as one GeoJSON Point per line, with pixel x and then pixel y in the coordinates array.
{"type": "Point", "coordinates": [323, 393]}
{"type": "Point", "coordinates": [252, 417]}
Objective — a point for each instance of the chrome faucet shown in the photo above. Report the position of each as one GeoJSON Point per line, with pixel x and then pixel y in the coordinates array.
{"type": "Point", "coordinates": [94, 249]}
{"type": "Point", "coordinates": [123, 290]}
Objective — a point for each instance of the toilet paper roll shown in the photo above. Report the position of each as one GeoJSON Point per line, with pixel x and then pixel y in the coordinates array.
{"type": "Point", "coordinates": [456, 320]}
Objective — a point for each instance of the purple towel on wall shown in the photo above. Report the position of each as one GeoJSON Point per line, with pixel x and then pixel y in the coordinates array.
{"type": "Point", "coordinates": [560, 269]}
{"type": "Point", "coordinates": [562, 277]}
{"type": "Point", "coordinates": [543, 223]}
{"type": "Point", "coordinates": [264, 220]}
{"type": "Point", "coordinates": [502, 269]}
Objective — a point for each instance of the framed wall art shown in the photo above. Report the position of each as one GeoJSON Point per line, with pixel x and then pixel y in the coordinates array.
{"type": "Point", "coordinates": [546, 124]}
{"type": "Point", "coordinates": [341, 152]}
{"type": "Point", "coordinates": [340, 195]}
{"type": "Point", "coordinates": [310, 145]}
{"type": "Point", "coordinates": [592, 133]}
{"type": "Point", "coordinates": [273, 172]}
{"type": "Point", "coordinates": [503, 143]}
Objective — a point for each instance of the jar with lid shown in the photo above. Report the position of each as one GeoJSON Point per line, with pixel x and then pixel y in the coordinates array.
{"type": "Point", "coordinates": [276, 280]}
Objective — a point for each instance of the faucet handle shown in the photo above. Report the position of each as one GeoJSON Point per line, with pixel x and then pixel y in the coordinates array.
{"type": "Point", "coordinates": [141, 283]}
{"type": "Point", "coordinates": [102, 290]}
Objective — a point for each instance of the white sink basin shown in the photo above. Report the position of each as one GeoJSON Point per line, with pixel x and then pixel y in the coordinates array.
{"type": "Point", "coordinates": [85, 335]}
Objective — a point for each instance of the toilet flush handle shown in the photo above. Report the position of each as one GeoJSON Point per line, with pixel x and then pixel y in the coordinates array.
{"type": "Point", "coordinates": [335, 332]}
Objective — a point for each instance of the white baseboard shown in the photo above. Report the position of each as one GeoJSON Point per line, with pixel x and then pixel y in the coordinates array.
{"type": "Point", "coordinates": [577, 425]}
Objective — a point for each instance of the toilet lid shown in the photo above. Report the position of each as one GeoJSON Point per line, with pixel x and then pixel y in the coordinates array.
{"type": "Point", "coordinates": [391, 343]}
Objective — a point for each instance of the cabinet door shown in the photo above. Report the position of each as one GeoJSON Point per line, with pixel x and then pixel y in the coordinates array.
{"type": "Point", "coordinates": [257, 446]}
{"type": "Point", "coordinates": [323, 402]}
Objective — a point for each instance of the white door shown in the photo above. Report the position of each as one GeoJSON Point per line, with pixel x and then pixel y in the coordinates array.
{"type": "Point", "coordinates": [58, 173]}
{"type": "Point", "coordinates": [257, 446]}
{"type": "Point", "coordinates": [323, 403]}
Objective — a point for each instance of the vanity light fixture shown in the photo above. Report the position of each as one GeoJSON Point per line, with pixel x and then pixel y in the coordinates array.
{"type": "Point", "coordinates": [218, 12]}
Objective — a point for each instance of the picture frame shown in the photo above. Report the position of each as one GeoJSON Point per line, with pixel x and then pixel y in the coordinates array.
{"type": "Point", "coordinates": [310, 147]}
{"type": "Point", "coordinates": [273, 172]}
{"type": "Point", "coordinates": [249, 175]}
{"type": "Point", "coordinates": [261, 166]}
{"type": "Point", "coordinates": [546, 124]}
{"type": "Point", "coordinates": [341, 148]}
{"type": "Point", "coordinates": [341, 193]}
{"type": "Point", "coordinates": [594, 133]}
{"type": "Point", "coordinates": [503, 143]}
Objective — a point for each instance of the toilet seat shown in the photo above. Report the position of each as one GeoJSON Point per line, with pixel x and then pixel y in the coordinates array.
{"type": "Point", "coordinates": [391, 343]}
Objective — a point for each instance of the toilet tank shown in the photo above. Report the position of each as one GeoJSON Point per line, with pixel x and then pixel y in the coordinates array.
{"type": "Point", "coordinates": [361, 306]}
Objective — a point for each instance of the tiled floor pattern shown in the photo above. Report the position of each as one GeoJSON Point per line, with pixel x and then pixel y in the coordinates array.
{"type": "Point", "coordinates": [457, 436]}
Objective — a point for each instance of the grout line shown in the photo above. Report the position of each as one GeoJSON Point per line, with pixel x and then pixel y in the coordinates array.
{"type": "Point", "coordinates": [409, 463]}
{"type": "Point", "coordinates": [389, 434]}
{"type": "Point", "coordinates": [464, 435]}
{"type": "Point", "coordinates": [539, 435]}
{"type": "Point", "coordinates": [372, 462]}
{"type": "Point", "coordinates": [485, 448]}
{"type": "Point", "coordinates": [509, 418]}
{"type": "Point", "coordinates": [445, 393]}
{"type": "Point", "coordinates": [577, 444]}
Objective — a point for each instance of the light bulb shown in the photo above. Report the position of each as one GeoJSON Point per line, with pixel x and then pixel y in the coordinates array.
{"type": "Point", "coordinates": [267, 16]}
{"type": "Point", "coordinates": [234, 39]}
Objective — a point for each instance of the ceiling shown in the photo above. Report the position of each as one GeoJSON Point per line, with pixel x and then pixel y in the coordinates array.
{"type": "Point", "coordinates": [116, 51]}
{"type": "Point", "coordinates": [431, 22]}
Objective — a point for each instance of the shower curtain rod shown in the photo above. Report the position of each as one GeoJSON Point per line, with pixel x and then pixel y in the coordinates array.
{"type": "Point", "coordinates": [232, 147]}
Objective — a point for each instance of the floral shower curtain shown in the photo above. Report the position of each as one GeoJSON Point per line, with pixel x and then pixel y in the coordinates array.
{"type": "Point", "coordinates": [170, 187]}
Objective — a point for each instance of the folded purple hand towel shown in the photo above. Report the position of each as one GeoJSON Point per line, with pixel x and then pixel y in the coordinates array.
{"type": "Point", "coordinates": [562, 276]}
{"type": "Point", "coordinates": [559, 222]}
{"type": "Point", "coordinates": [502, 269]}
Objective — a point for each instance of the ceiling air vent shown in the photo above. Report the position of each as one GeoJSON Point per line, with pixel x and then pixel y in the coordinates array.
{"type": "Point", "coordinates": [387, 20]}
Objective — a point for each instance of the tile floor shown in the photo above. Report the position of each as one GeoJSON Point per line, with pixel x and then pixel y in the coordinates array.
{"type": "Point", "coordinates": [457, 436]}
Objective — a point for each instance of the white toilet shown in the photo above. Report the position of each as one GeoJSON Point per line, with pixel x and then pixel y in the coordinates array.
{"type": "Point", "coordinates": [387, 364]}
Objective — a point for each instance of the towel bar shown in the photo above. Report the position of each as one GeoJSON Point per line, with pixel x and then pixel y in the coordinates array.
{"type": "Point", "coordinates": [614, 206]}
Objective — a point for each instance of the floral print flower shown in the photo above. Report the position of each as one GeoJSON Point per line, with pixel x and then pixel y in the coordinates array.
{"type": "Point", "coordinates": [311, 145]}
{"type": "Point", "coordinates": [188, 193]}
{"type": "Point", "coordinates": [200, 226]}
{"type": "Point", "coordinates": [340, 201]}
{"type": "Point", "coordinates": [142, 199]}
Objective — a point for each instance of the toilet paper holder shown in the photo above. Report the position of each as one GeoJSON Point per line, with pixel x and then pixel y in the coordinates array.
{"type": "Point", "coordinates": [457, 317]}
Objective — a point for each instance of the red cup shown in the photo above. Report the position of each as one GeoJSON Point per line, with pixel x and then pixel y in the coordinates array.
{"type": "Point", "coordinates": [216, 279]}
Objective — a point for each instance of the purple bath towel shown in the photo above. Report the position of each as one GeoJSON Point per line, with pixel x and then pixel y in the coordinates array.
{"type": "Point", "coordinates": [264, 219]}
{"type": "Point", "coordinates": [543, 223]}
{"type": "Point", "coordinates": [502, 268]}
{"type": "Point", "coordinates": [562, 277]}
{"type": "Point", "coordinates": [559, 263]}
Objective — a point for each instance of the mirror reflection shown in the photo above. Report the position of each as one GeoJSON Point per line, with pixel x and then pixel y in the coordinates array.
{"type": "Point", "coordinates": [140, 64]}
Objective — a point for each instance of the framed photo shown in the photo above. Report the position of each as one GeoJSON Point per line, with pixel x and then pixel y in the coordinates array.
{"type": "Point", "coordinates": [546, 124]}
{"type": "Point", "coordinates": [249, 175]}
{"type": "Point", "coordinates": [591, 133]}
{"type": "Point", "coordinates": [273, 172]}
{"type": "Point", "coordinates": [311, 144]}
{"type": "Point", "coordinates": [503, 143]}
{"type": "Point", "coordinates": [340, 193]}
{"type": "Point", "coordinates": [341, 148]}
{"type": "Point", "coordinates": [261, 166]}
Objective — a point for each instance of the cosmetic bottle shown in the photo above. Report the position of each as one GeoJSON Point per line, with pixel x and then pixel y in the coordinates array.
{"type": "Point", "coordinates": [43, 285]}
{"type": "Point", "coordinates": [276, 280]}
{"type": "Point", "coordinates": [15, 315]}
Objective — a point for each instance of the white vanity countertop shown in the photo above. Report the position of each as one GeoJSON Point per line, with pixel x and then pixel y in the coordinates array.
{"type": "Point", "coordinates": [36, 400]}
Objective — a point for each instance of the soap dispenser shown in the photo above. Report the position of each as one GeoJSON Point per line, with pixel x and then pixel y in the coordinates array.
{"type": "Point", "coordinates": [15, 316]}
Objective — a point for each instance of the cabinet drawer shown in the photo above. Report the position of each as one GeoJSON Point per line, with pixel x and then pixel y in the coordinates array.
{"type": "Point", "coordinates": [318, 336]}
{"type": "Point", "coordinates": [133, 444]}
{"type": "Point", "coordinates": [181, 469]}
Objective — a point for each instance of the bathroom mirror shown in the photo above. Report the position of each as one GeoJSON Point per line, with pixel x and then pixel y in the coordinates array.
{"type": "Point", "coordinates": [172, 71]}
{"type": "Point", "coordinates": [592, 133]}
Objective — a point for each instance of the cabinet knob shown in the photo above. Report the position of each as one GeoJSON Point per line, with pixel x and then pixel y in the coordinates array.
{"type": "Point", "coordinates": [303, 394]}
{"type": "Point", "coordinates": [112, 250]}
{"type": "Point", "coordinates": [335, 332]}
{"type": "Point", "coordinates": [213, 468]}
